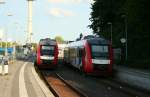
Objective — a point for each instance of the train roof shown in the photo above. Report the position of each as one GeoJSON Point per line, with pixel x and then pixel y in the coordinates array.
{"type": "Point", "coordinates": [47, 41]}
{"type": "Point", "coordinates": [98, 40]}
{"type": "Point", "coordinates": [95, 41]}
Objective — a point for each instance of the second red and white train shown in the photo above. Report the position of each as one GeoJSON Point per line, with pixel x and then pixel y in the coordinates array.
{"type": "Point", "coordinates": [92, 56]}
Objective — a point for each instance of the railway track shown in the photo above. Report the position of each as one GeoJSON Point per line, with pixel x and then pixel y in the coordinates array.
{"type": "Point", "coordinates": [59, 86]}
{"type": "Point", "coordinates": [64, 77]}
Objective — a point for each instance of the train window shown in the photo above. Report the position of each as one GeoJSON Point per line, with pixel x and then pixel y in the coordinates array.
{"type": "Point", "coordinates": [72, 52]}
{"type": "Point", "coordinates": [100, 51]}
{"type": "Point", "coordinates": [47, 47]}
{"type": "Point", "coordinates": [97, 48]}
{"type": "Point", "coordinates": [47, 50]}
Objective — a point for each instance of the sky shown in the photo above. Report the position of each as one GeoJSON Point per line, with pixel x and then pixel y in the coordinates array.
{"type": "Point", "coordinates": [66, 18]}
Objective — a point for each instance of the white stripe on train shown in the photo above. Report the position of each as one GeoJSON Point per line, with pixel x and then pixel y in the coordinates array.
{"type": "Point", "coordinates": [97, 61]}
{"type": "Point", "coordinates": [46, 57]}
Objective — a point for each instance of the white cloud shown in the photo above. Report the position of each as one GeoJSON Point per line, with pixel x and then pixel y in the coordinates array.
{"type": "Point", "coordinates": [58, 12]}
{"type": "Point", "coordinates": [65, 1]}
{"type": "Point", "coordinates": [90, 1]}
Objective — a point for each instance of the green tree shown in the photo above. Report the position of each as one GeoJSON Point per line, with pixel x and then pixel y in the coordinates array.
{"type": "Point", "coordinates": [136, 13]}
{"type": "Point", "coordinates": [59, 39]}
{"type": "Point", "coordinates": [34, 45]}
{"type": "Point", "coordinates": [104, 11]}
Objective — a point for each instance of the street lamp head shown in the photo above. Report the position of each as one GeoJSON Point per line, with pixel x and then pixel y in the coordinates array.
{"type": "Point", "coordinates": [123, 16]}
{"type": "Point", "coordinates": [109, 23]}
{"type": "Point", "coordinates": [2, 2]}
{"type": "Point", "coordinates": [9, 14]}
{"type": "Point", "coordinates": [123, 40]}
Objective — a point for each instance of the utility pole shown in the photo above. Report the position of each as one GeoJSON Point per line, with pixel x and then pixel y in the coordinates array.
{"type": "Point", "coordinates": [6, 36]}
{"type": "Point", "coordinates": [126, 34]}
{"type": "Point", "coordinates": [29, 32]}
{"type": "Point", "coordinates": [111, 36]}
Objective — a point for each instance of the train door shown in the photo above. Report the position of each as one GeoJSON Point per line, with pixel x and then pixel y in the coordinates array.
{"type": "Point", "coordinates": [66, 55]}
{"type": "Point", "coordinates": [81, 58]}
{"type": "Point", "coordinates": [79, 55]}
{"type": "Point", "coordinates": [72, 56]}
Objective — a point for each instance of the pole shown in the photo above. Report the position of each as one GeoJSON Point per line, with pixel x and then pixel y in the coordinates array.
{"type": "Point", "coordinates": [6, 45]}
{"type": "Point", "coordinates": [9, 15]}
{"type": "Point", "coordinates": [109, 23]}
{"type": "Point", "coordinates": [111, 33]}
{"type": "Point", "coordinates": [14, 51]}
{"type": "Point", "coordinates": [29, 21]}
{"type": "Point", "coordinates": [126, 35]}
{"type": "Point", "coordinates": [2, 2]}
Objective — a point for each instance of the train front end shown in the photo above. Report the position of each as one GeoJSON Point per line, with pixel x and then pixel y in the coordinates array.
{"type": "Point", "coordinates": [47, 54]}
{"type": "Point", "coordinates": [101, 56]}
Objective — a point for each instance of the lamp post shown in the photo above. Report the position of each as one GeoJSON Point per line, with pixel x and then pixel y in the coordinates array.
{"type": "Point", "coordinates": [1, 33]}
{"type": "Point", "coordinates": [123, 56]}
{"type": "Point", "coordinates": [126, 34]}
{"type": "Point", "coordinates": [6, 44]}
{"type": "Point", "coordinates": [109, 23]}
{"type": "Point", "coordinates": [9, 15]}
{"type": "Point", "coordinates": [2, 2]}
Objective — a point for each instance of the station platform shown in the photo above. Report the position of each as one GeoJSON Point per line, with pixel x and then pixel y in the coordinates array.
{"type": "Point", "coordinates": [134, 77]}
{"type": "Point", "coordinates": [23, 81]}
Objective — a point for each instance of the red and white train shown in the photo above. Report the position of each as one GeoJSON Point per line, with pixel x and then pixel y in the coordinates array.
{"type": "Point", "coordinates": [92, 56]}
{"type": "Point", "coordinates": [47, 54]}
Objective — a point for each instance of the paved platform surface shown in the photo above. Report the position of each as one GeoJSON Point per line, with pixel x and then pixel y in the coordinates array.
{"type": "Point", "coordinates": [23, 81]}
{"type": "Point", "coordinates": [134, 77]}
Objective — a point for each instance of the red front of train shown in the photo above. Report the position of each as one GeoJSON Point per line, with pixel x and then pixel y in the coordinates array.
{"type": "Point", "coordinates": [92, 56]}
{"type": "Point", "coordinates": [47, 54]}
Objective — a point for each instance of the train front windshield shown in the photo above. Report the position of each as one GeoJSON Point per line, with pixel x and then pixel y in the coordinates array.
{"type": "Point", "coordinates": [100, 52]}
{"type": "Point", "coordinates": [47, 50]}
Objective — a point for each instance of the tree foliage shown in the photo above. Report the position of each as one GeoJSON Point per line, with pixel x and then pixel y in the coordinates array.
{"type": "Point", "coordinates": [34, 45]}
{"type": "Point", "coordinates": [137, 15]}
{"type": "Point", "coordinates": [59, 39]}
{"type": "Point", "coordinates": [9, 44]}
